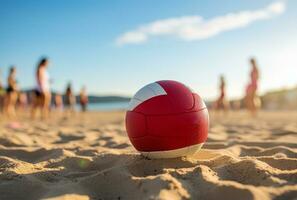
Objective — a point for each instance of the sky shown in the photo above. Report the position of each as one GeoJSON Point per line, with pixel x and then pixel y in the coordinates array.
{"type": "Point", "coordinates": [115, 47]}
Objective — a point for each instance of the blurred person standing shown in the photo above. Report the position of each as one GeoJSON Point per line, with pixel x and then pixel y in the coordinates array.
{"type": "Point", "coordinates": [11, 93]}
{"type": "Point", "coordinates": [22, 101]}
{"type": "Point", "coordinates": [83, 99]}
{"type": "Point", "coordinates": [58, 102]}
{"type": "Point", "coordinates": [222, 103]}
{"type": "Point", "coordinates": [42, 93]}
{"type": "Point", "coordinates": [70, 100]}
{"type": "Point", "coordinates": [252, 101]}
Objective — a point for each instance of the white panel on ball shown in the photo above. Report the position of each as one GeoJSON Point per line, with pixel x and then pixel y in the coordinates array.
{"type": "Point", "coordinates": [147, 92]}
{"type": "Point", "coordinates": [186, 151]}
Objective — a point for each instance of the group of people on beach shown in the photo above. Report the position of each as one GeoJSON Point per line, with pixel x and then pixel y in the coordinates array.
{"type": "Point", "coordinates": [41, 98]}
{"type": "Point", "coordinates": [251, 99]}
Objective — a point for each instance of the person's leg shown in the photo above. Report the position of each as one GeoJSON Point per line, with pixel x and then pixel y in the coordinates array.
{"type": "Point", "coordinates": [73, 108]}
{"type": "Point", "coordinates": [35, 104]}
{"type": "Point", "coordinates": [225, 105]}
{"type": "Point", "coordinates": [254, 102]}
{"type": "Point", "coordinates": [1, 103]}
{"type": "Point", "coordinates": [221, 104]}
{"type": "Point", "coordinates": [83, 107]}
{"type": "Point", "coordinates": [10, 101]}
{"type": "Point", "coordinates": [13, 100]}
{"type": "Point", "coordinates": [46, 104]}
{"type": "Point", "coordinates": [43, 105]}
{"type": "Point", "coordinates": [248, 102]}
{"type": "Point", "coordinates": [6, 104]}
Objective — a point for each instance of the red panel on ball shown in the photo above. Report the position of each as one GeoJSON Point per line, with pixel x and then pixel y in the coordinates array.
{"type": "Point", "coordinates": [179, 94]}
{"type": "Point", "coordinates": [168, 132]}
{"type": "Point", "coordinates": [135, 124]}
{"type": "Point", "coordinates": [177, 125]}
{"type": "Point", "coordinates": [156, 106]}
{"type": "Point", "coordinates": [152, 143]}
{"type": "Point", "coordinates": [202, 129]}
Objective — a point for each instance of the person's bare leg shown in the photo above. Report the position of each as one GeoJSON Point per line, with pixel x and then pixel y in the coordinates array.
{"type": "Point", "coordinates": [35, 105]}
{"type": "Point", "coordinates": [46, 104]}
{"type": "Point", "coordinates": [248, 102]}
{"type": "Point", "coordinates": [73, 110]}
{"type": "Point", "coordinates": [226, 107]}
{"type": "Point", "coordinates": [13, 101]}
{"type": "Point", "coordinates": [42, 106]}
{"type": "Point", "coordinates": [255, 105]}
{"type": "Point", "coordinates": [7, 107]}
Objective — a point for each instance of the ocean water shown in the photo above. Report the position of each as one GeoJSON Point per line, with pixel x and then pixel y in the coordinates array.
{"type": "Point", "coordinates": [107, 106]}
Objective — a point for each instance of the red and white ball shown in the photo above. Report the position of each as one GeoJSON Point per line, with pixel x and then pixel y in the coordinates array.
{"type": "Point", "coordinates": [166, 119]}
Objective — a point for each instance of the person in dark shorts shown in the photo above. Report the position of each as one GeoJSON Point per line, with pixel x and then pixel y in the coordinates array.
{"type": "Point", "coordinates": [58, 102]}
{"type": "Point", "coordinates": [11, 93]}
{"type": "Point", "coordinates": [42, 93]}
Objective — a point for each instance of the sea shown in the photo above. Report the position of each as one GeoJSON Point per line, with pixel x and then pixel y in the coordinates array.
{"type": "Point", "coordinates": [107, 106]}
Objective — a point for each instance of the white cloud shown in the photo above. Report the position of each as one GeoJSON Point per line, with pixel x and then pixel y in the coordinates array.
{"type": "Point", "coordinates": [196, 28]}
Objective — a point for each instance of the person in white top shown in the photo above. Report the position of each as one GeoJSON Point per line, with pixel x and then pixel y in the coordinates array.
{"type": "Point", "coordinates": [42, 93]}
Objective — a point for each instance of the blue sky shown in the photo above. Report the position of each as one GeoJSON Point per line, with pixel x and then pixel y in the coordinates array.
{"type": "Point", "coordinates": [80, 38]}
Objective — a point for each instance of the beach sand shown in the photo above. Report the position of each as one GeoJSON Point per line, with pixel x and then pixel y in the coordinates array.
{"type": "Point", "coordinates": [90, 157]}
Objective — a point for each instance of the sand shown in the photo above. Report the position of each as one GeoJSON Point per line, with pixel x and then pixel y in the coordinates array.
{"type": "Point", "coordinates": [90, 157]}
